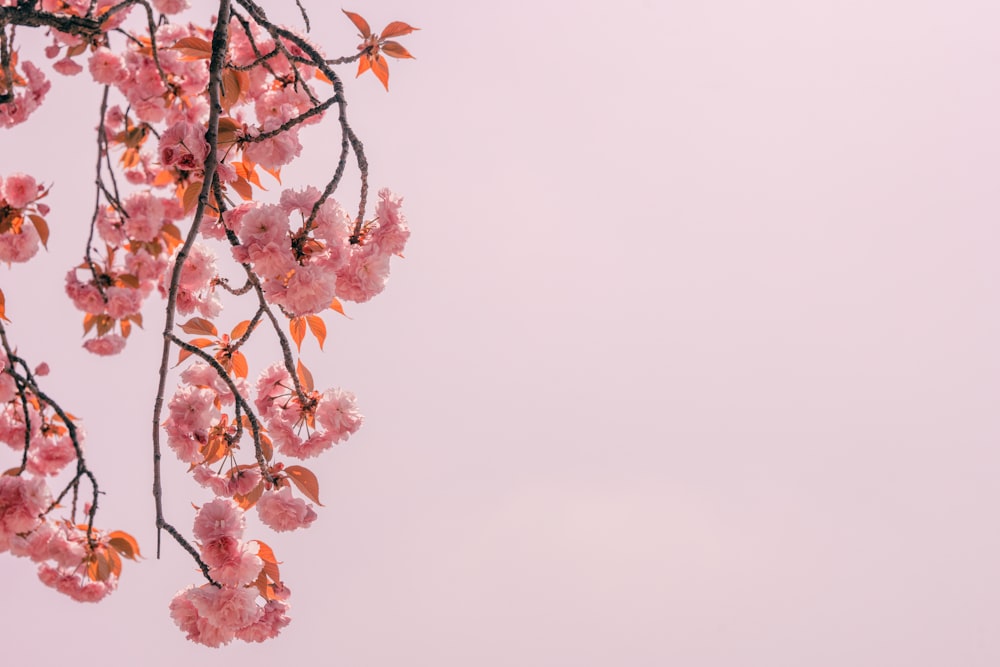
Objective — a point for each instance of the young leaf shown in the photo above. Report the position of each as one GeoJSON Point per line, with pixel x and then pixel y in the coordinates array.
{"type": "Point", "coordinates": [250, 499]}
{"type": "Point", "coordinates": [3, 307]}
{"type": "Point", "coordinates": [189, 199]}
{"type": "Point", "coordinates": [395, 49]}
{"type": "Point", "coordinates": [266, 554]}
{"type": "Point", "coordinates": [297, 327]}
{"type": "Point", "coordinates": [396, 29]}
{"type": "Point", "coordinates": [305, 377]}
{"type": "Point", "coordinates": [193, 48]}
{"type": "Point", "coordinates": [359, 23]}
{"type": "Point", "coordinates": [318, 328]}
{"type": "Point", "coordinates": [305, 481]}
{"type": "Point", "coordinates": [199, 325]}
{"type": "Point", "coordinates": [42, 228]}
{"type": "Point", "coordinates": [239, 330]}
{"type": "Point", "coordinates": [381, 69]}
{"type": "Point", "coordinates": [240, 368]}
{"type": "Point", "coordinates": [124, 544]}
{"type": "Point", "coordinates": [338, 307]}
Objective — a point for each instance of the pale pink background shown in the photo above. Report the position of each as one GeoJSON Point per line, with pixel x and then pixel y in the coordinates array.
{"type": "Point", "coordinates": [693, 359]}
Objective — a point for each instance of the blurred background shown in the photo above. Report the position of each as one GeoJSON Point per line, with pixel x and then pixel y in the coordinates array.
{"type": "Point", "coordinates": [692, 359]}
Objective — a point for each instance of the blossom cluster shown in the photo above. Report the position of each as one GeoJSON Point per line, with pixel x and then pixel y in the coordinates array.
{"type": "Point", "coordinates": [83, 564]}
{"type": "Point", "coordinates": [22, 221]}
{"type": "Point", "coordinates": [188, 207]}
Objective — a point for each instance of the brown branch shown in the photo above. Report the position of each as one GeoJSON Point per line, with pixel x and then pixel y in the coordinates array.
{"type": "Point", "coordinates": [219, 41]}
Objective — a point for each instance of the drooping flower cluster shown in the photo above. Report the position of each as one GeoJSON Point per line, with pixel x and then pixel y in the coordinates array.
{"type": "Point", "coordinates": [83, 564]}
{"type": "Point", "coordinates": [159, 229]}
{"type": "Point", "coordinates": [22, 218]}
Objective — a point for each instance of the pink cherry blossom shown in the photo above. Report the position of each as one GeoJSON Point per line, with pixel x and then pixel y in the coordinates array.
{"type": "Point", "coordinates": [16, 248]}
{"type": "Point", "coordinates": [22, 500]}
{"type": "Point", "coordinates": [20, 190]}
{"type": "Point", "coordinates": [106, 67]}
{"type": "Point", "coordinates": [269, 625]}
{"type": "Point", "coordinates": [76, 584]}
{"type": "Point", "coordinates": [280, 511]}
{"type": "Point", "coordinates": [391, 232]}
{"type": "Point", "coordinates": [364, 275]}
{"type": "Point", "coordinates": [106, 345]}
{"type": "Point", "coordinates": [219, 518]}
{"type": "Point", "coordinates": [67, 67]}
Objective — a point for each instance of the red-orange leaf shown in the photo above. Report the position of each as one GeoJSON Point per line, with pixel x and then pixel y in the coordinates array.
{"type": "Point", "coordinates": [201, 342]}
{"type": "Point", "coordinates": [42, 228]}
{"type": "Point", "coordinates": [306, 481]}
{"type": "Point", "coordinates": [363, 66]}
{"type": "Point", "coordinates": [124, 544]}
{"type": "Point", "coordinates": [359, 23]}
{"type": "Point", "coordinates": [381, 69]}
{"type": "Point", "coordinates": [194, 48]}
{"type": "Point", "coordinates": [231, 88]}
{"type": "Point", "coordinates": [189, 199]}
{"type": "Point", "coordinates": [297, 326]}
{"type": "Point", "coordinates": [239, 364]}
{"type": "Point", "coordinates": [199, 325]}
{"type": "Point", "coordinates": [396, 29]}
{"type": "Point", "coordinates": [182, 355]}
{"type": "Point", "coordinates": [250, 499]}
{"type": "Point", "coordinates": [266, 554]}
{"type": "Point", "coordinates": [126, 327]}
{"type": "Point", "coordinates": [243, 188]}
{"type": "Point", "coordinates": [318, 328]}
{"type": "Point", "coordinates": [239, 330]}
{"type": "Point", "coordinates": [228, 130]}
{"type": "Point", "coordinates": [396, 50]}
{"type": "Point", "coordinates": [305, 377]}
{"type": "Point", "coordinates": [3, 307]}
{"type": "Point", "coordinates": [337, 306]}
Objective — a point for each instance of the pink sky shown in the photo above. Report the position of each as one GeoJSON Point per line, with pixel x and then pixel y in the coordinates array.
{"type": "Point", "coordinates": [693, 359]}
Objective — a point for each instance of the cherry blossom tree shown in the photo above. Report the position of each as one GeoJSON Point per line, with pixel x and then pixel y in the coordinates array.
{"type": "Point", "coordinates": [193, 116]}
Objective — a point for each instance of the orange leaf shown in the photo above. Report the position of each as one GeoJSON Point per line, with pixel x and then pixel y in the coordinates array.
{"type": "Point", "coordinates": [297, 326]}
{"type": "Point", "coordinates": [190, 197]}
{"type": "Point", "coordinates": [199, 325]}
{"type": "Point", "coordinates": [306, 481]}
{"type": "Point", "coordinates": [193, 48]}
{"type": "Point", "coordinates": [199, 342]}
{"type": "Point", "coordinates": [318, 328]}
{"type": "Point", "coordinates": [243, 189]}
{"type": "Point", "coordinates": [239, 364]}
{"type": "Point", "coordinates": [126, 327]}
{"type": "Point", "coordinates": [396, 50]}
{"type": "Point", "coordinates": [229, 129]}
{"type": "Point", "coordinates": [3, 308]}
{"type": "Point", "coordinates": [231, 88]}
{"type": "Point", "coordinates": [305, 377]}
{"type": "Point", "coordinates": [124, 544]}
{"type": "Point", "coordinates": [381, 69]}
{"type": "Point", "coordinates": [240, 330]}
{"type": "Point", "coordinates": [266, 447]}
{"type": "Point", "coordinates": [396, 29]}
{"type": "Point", "coordinates": [337, 306]}
{"type": "Point", "coordinates": [322, 77]}
{"type": "Point", "coordinates": [266, 554]}
{"type": "Point", "coordinates": [359, 23]}
{"type": "Point", "coordinates": [250, 499]}
{"type": "Point", "coordinates": [363, 65]}
{"type": "Point", "coordinates": [42, 228]}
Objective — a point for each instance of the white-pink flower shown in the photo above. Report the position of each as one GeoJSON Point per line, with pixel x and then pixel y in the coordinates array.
{"type": "Point", "coordinates": [106, 345]}
{"type": "Point", "coordinates": [20, 190]}
{"type": "Point", "coordinates": [279, 510]}
{"type": "Point", "coordinates": [219, 518]}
